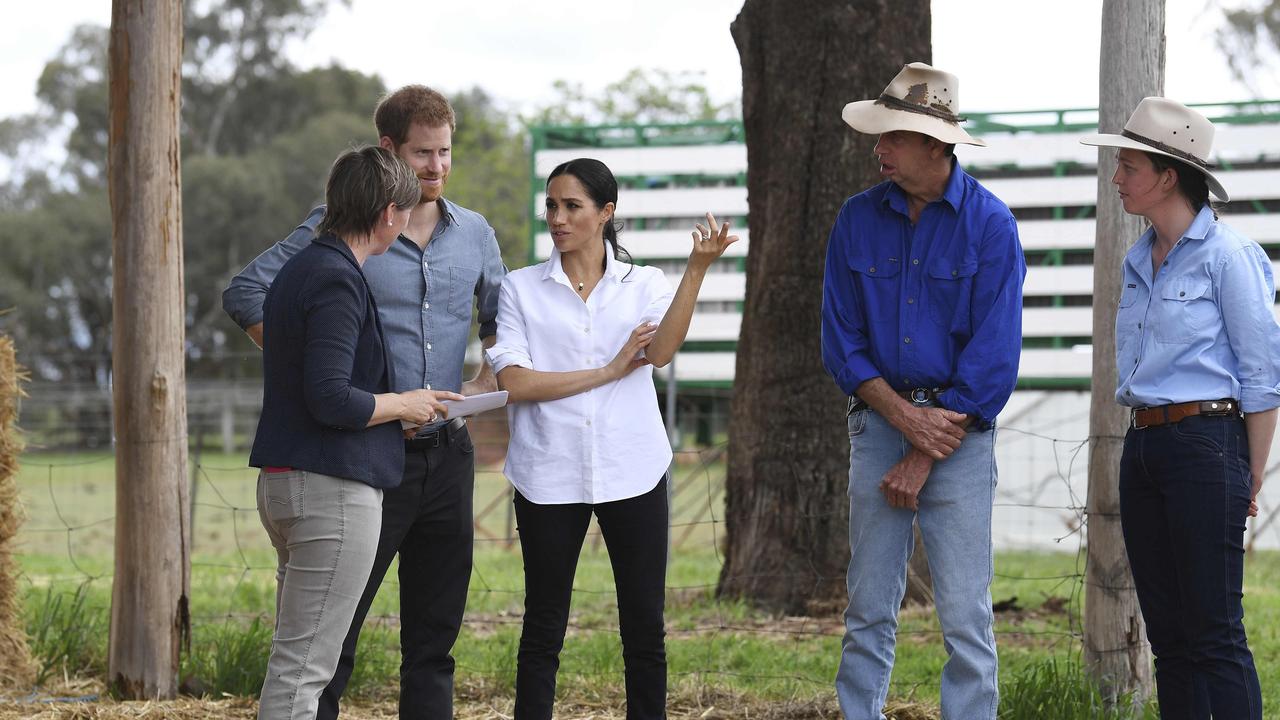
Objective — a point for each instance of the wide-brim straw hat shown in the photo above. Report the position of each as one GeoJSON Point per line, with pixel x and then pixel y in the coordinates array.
{"type": "Point", "coordinates": [1167, 127]}
{"type": "Point", "coordinates": [920, 99]}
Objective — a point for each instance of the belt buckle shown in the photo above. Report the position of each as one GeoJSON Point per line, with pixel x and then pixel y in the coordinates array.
{"type": "Point", "coordinates": [1133, 419]}
{"type": "Point", "coordinates": [920, 395]}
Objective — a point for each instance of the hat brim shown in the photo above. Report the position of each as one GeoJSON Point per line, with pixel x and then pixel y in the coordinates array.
{"type": "Point", "coordinates": [1120, 141]}
{"type": "Point", "coordinates": [872, 118]}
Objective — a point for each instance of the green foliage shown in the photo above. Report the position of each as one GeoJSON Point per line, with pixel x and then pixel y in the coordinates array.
{"type": "Point", "coordinates": [640, 96]}
{"type": "Point", "coordinates": [67, 633]}
{"type": "Point", "coordinates": [229, 658]}
{"type": "Point", "coordinates": [1055, 689]}
{"type": "Point", "coordinates": [1250, 39]}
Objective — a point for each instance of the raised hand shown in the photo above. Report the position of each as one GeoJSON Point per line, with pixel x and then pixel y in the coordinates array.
{"type": "Point", "coordinates": [709, 243]}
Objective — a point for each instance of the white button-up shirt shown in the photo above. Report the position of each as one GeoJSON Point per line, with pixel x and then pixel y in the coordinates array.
{"type": "Point", "coordinates": [601, 445]}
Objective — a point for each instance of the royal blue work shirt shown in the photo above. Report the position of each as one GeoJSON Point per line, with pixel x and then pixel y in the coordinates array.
{"type": "Point", "coordinates": [424, 298]}
{"type": "Point", "coordinates": [937, 304]}
{"type": "Point", "coordinates": [1204, 327]}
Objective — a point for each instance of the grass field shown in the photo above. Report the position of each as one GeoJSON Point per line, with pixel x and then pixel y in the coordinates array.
{"type": "Point", "coordinates": [715, 648]}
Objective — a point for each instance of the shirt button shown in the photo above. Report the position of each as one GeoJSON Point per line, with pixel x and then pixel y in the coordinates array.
{"type": "Point", "coordinates": [953, 273]}
{"type": "Point", "coordinates": [426, 306]}
{"type": "Point", "coordinates": [588, 423]}
{"type": "Point", "coordinates": [911, 301]}
{"type": "Point", "coordinates": [428, 386]}
{"type": "Point", "coordinates": [872, 269]}
{"type": "Point", "coordinates": [906, 380]}
{"type": "Point", "coordinates": [915, 261]}
{"type": "Point", "coordinates": [428, 346]}
{"type": "Point", "coordinates": [906, 340]}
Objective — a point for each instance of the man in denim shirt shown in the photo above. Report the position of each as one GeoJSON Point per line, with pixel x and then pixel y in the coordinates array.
{"type": "Point", "coordinates": [424, 287]}
{"type": "Point", "coordinates": [921, 327]}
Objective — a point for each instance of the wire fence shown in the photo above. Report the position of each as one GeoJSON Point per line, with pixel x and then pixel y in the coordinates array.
{"type": "Point", "coordinates": [1040, 508]}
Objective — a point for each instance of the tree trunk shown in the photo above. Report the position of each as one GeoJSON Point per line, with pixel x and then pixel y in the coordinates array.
{"type": "Point", "coordinates": [786, 490]}
{"type": "Point", "coordinates": [1115, 642]}
{"type": "Point", "coordinates": [149, 611]}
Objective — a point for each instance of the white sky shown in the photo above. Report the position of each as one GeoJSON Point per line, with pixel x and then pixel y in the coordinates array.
{"type": "Point", "coordinates": [1009, 54]}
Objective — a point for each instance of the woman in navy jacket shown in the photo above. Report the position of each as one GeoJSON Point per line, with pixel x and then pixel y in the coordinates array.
{"type": "Point", "coordinates": [328, 441]}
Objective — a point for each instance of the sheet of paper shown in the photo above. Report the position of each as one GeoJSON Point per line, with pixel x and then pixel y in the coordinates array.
{"type": "Point", "coordinates": [470, 405]}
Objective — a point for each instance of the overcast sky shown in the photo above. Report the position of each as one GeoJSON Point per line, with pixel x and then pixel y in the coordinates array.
{"type": "Point", "coordinates": [1009, 54]}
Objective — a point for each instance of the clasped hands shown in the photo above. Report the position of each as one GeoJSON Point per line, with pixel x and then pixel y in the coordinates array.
{"type": "Point", "coordinates": [934, 433]}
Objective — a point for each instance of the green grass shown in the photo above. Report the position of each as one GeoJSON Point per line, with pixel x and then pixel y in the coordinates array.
{"type": "Point", "coordinates": [66, 549]}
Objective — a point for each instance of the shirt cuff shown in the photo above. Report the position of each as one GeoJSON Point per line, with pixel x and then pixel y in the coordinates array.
{"type": "Point", "coordinates": [1258, 398]}
{"type": "Point", "coordinates": [856, 371]}
{"type": "Point", "coordinates": [955, 402]}
{"type": "Point", "coordinates": [501, 358]}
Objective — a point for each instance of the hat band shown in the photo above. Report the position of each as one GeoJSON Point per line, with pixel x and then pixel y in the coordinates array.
{"type": "Point", "coordinates": [898, 104]}
{"type": "Point", "coordinates": [1181, 154]}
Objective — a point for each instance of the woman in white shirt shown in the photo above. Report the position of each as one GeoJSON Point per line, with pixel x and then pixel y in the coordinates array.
{"type": "Point", "coordinates": [577, 338]}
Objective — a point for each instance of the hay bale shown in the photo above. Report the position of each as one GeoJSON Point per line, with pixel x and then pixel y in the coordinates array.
{"type": "Point", "coordinates": [17, 670]}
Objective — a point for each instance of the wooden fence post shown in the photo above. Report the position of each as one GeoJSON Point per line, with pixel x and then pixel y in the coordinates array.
{"type": "Point", "coordinates": [1116, 653]}
{"type": "Point", "coordinates": [150, 617]}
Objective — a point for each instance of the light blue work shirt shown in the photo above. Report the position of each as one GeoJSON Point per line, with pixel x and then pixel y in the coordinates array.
{"type": "Point", "coordinates": [425, 298]}
{"type": "Point", "coordinates": [1204, 327]}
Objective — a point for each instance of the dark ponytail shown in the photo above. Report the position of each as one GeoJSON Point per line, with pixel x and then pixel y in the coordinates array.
{"type": "Point", "coordinates": [1191, 182]}
{"type": "Point", "coordinates": [602, 188]}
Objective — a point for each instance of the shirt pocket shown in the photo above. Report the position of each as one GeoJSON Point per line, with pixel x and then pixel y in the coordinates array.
{"type": "Point", "coordinates": [949, 287]}
{"type": "Point", "coordinates": [1129, 313]}
{"type": "Point", "coordinates": [1186, 309]}
{"type": "Point", "coordinates": [462, 288]}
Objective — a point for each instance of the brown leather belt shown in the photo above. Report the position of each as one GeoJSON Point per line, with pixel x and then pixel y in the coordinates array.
{"type": "Point", "coordinates": [1146, 417]}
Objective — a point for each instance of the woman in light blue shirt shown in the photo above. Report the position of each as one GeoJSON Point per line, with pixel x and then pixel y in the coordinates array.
{"type": "Point", "coordinates": [1196, 342]}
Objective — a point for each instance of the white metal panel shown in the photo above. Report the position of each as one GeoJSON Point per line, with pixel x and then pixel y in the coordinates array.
{"type": "Point", "coordinates": [657, 244]}
{"type": "Point", "coordinates": [1059, 280]}
{"type": "Point", "coordinates": [1056, 234]}
{"type": "Point", "coordinates": [714, 327]}
{"type": "Point", "coordinates": [1066, 363]}
{"type": "Point", "coordinates": [1231, 143]}
{"type": "Point", "coordinates": [700, 367]}
{"type": "Point", "coordinates": [1057, 322]}
{"type": "Point", "coordinates": [1082, 189]}
{"type": "Point", "coordinates": [717, 287]}
{"type": "Point", "coordinates": [726, 159]}
{"type": "Point", "coordinates": [725, 202]}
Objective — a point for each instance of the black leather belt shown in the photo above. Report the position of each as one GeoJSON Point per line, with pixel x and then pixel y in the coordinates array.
{"type": "Point", "coordinates": [919, 396]}
{"type": "Point", "coordinates": [434, 439]}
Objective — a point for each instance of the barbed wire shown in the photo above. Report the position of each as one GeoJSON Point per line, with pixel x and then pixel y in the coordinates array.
{"type": "Point", "coordinates": [697, 526]}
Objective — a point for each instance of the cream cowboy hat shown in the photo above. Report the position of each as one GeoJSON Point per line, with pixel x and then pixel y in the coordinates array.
{"type": "Point", "coordinates": [920, 99]}
{"type": "Point", "coordinates": [1167, 127]}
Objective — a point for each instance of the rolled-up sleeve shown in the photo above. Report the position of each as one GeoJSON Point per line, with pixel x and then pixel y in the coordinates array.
{"type": "Point", "coordinates": [1246, 293]}
{"type": "Point", "coordinates": [845, 350]}
{"type": "Point", "coordinates": [334, 305]}
{"type": "Point", "coordinates": [987, 368]}
{"type": "Point", "coordinates": [489, 287]}
{"type": "Point", "coordinates": [512, 345]}
{"type": "Point", "coordinates": [244, 295]}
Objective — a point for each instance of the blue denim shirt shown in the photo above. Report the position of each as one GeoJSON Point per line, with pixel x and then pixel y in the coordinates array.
{"type": "Point", "coordinates": [424, 298]}
{"type": "Point", "coordinates": [937, 304]}
{"type": "Point", "coordinates": [1204, 327]}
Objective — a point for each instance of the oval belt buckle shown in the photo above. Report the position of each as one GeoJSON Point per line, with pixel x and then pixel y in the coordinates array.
{"type": "Point", "coordinates": [920, 396]}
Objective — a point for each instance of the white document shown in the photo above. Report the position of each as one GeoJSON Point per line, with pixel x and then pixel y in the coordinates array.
{"type": "Point", "coordinates": [476, 404]}
{"type": "Point", "coordinates": [470, 405]}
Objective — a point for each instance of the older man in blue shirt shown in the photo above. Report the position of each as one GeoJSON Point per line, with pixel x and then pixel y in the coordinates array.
{"type": "Point", "coordinates": [921, 327]}
{"type": "Point", "coordinates": [424, 286]}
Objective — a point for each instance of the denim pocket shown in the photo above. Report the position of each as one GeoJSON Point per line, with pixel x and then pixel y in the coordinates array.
{"type": "Point", "coordinates": [462, 287]}
{"type": "Point", "coordinates": [858, 422]}
{"type": "Point", "coordinates": [1207, 434]}
{"type": "Point", "coordinates": [284, 493]}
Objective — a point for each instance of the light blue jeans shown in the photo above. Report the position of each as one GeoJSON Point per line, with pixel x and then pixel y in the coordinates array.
{"type": "Point", "coordinates": [955, 520]}
{"type": "Point", "coordinates": [325, 532]}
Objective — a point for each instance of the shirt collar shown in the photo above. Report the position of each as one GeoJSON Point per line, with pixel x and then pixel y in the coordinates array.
{"type": "Point", "coordinates": [1139, 254]}
{"type": "Point", "coordinates": [446, 211]}
{"type": "Point", "coordinates": [613, 267]}
{"type": "Point", "coordinates": [953, 193]}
